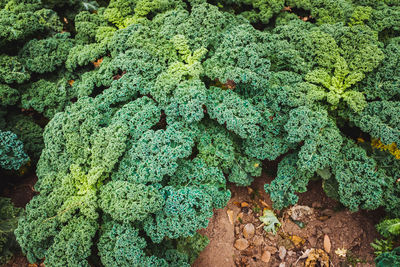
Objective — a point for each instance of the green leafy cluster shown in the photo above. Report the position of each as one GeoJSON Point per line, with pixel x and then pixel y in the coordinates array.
{"type": "Point", "coordinates": [35, 44]}
{"type": "Point", "coordinates": [387, 259]}
{"type": "Point", "coordinates": [152, 106]}
{"type": "Point", "coordinates": [387, 256]}
{"type": "Point", "coordinates": [8, 222]}
{"type": "Point", "coordinates": [12, 154]}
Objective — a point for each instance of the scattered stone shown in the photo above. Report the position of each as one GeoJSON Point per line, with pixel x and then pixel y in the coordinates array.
{"type": "Point", "coordinates": [282, 264]}
{"type": "Point", "coordinates": [271, 236]}
{"type": "Point", "coordinates": [241, 244]}
{"type": "Point", "coordinates": [237, 230]}
{"type": "Point", "coordinates": [327, 244]}
{"type": "Point", "coordinates": [271, 249]}
{"type": "Point", "coordinates": [313, 241]}
{"type": "Point", "coordinates": [258, 240]}
{"type": "Point", "coordinates": [287, 243]}
{"type": "Point", "coordinates": [230, 216]}
{"type": "Point", "coordinates": [299, 213]}
{"type": "Point", "coordinates": [291, 253]}
{"type": "Point", "coordinates": [266, 256]}
{"type": "Point", "coordinates": [282, 252]}
{"type": "Point", "coordinates": [249, 230]}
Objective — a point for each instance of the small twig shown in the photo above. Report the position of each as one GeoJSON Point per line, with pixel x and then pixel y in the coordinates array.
{"type": "Point", "coordinates": [261, 225]}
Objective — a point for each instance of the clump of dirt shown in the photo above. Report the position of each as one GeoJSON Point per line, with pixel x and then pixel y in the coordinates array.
{"type": "Point", "coordinates": [317, 231]}
{"type": "Point", "coordinates": [18, 260]}
{"type": "Point", "coordinates": [20, 191]}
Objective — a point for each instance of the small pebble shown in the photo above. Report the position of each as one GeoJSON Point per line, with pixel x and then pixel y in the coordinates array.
{"type": "Point", "coordinates": [282, 252]}
{"type": "Point", "coordinates": [241, 244]}
{"type": "Point", "coordinates": [249, 230]}
{"type": "Point", "coordinates": [299, 213]}
{"type": "Point", "coordinates": [258, 240]}
{"type": "Point", "coordinates": [266, 256]}
{"type": "Point", "coordinates": [291, 253]}
{"type": "Point", "coordinates": [237, 230]}
{"type": "Point", "coordinates": [230, 216]}
{"type": "Point", "coordinates": [271, 249]}
{"type": "Point", "coordinates": [313, 241]}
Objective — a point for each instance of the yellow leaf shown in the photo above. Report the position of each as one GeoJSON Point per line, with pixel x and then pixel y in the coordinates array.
{"type": "Point", "coordinates": [297, 240]}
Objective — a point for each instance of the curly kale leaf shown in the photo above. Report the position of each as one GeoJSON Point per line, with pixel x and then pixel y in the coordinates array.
{"type": "Point", "coordinates": [12, 154]}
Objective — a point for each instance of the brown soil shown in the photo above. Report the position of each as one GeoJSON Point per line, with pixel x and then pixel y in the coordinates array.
{"type": "Point", "coordinates": [18, 260]}
{"type": "Point", "coordinates": [327, 220]}
{"type": "Point", "coordinates": [20, 191]}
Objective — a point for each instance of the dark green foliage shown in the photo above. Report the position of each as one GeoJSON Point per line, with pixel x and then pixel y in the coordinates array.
{"type": "Point", "coordinates": [87, 25]}
{"type": "Point", "coordinates": [192, 246]}
{"type": "Point", "coordinates": [239, 115]}
{"type": "Point", "coordinates": [12, 70]}
{"type": "Point", "coordinates": [382, 246]}
{"type": "Point", "coordinates": [12, 154]}
{"type": "Point", "coordinates": [8, 95]}
{"type": "Point", "coordinates": [47, 97]}
{"type": "Point", "coordinates": [322, 139]}
{"type": "Point", "coordinates": [287, 182]}
{"type": "Point", "coordinates": [388, 259]}
{"type": "Point", "coordinates": [29, 132]}
{"type": "Point", "coordinates": [47, 54]}
{"type": "Point", "coordinates": [383, 83]}
{"type": "Point", "coordinates": [72, 245]}
{"type": "Point", "coordinates": [81, 55]}
{"type": "Point", "coordinates": [8, 222]}
{"type": "Point", "coordinates": [389, 227]}
{"type": "Point", "coordinates": [190, 206]}
{"type": "Point", "coordinates": [123, 200]}
{"type": "Point", "coordinates": [325, 11]}
{"type": "Point", "coordinates": [380, 120]}
{"type": "Point", "coordinates": [121, 245]}
{"type": "Point", "coordinates": [354, 167]}
{"type": "Point", "coordinates": [217, 148]}
{"type": "Point", "coordinates": [155, 154]}
{"type": "Point", "coordinates": [260, 11]}
{"type": "Point", "coordinates": [155, 105]}
{"type": "Point", "coordinates": [19, 20]}
{"type": "Point", "coordinates": [241, 57]}
{"type": "Point", "coordinates": [188, 101]}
